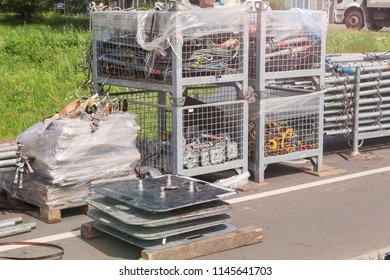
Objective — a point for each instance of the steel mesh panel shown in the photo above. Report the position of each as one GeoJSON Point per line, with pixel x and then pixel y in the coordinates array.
{"type": "Point", "coordinates": [289, 129]}
{"type": "Point", "coordinates": [211, 127]}
{"type": "Point", "coordinates": [154, 117]}
{"type": "Point", "coordinates": [213, 55]}
{"type": "Point", "coordinates": [292, 41]}
{"type": "Point", "coordinates": [205, 51]}
{"type": "Point", "coordinates": [212, 134]}
{"type": "Point", "coordinates": [215, 94]}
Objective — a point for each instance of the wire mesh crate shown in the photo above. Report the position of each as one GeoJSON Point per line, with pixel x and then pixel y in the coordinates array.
{"type": "Point", "coordinates": [285, 125]}
{"type": "Point", "coordinates": [205, 133]}
{"type": "Point", "coordinates": [285, 44]}
{"type": "Point", "coordinates": [160, 49]}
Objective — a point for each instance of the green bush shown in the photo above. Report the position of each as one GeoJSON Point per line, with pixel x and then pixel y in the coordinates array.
{"type": "Point", "coordinates": [278, 5]}
{"type": "Point", "coordinates": [28, 10]}
{"type": "Point", "coordinates": [77, 6]}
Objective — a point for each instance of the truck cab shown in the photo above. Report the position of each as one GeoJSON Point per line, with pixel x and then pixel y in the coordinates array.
{"type": "Point", "coordinates": [355, 14]}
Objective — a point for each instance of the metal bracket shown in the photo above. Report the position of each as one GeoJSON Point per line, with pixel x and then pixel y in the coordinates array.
{"type": "Point", "coordinates": [174, 5]}
{"type": "Point", "coordinates": [261, 6]}
{"type": "Point", "coordinates": [178, 102]}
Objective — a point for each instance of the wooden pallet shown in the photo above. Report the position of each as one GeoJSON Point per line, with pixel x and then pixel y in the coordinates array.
{"type": "Point", "coordinates": [363, 156]}
{"type": "Point", "coordinates": [49, 214]}
{"type": "Point", "coordinates": [223, 242]}
{"type": "Point", "coordinates": [53, 215]}
{"type": "Point", "coordinates": [252, 186]}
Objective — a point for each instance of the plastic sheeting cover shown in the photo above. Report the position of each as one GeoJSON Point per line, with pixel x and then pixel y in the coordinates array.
{"type": "Point", "coordinates": [69, 153]}
{"type": "Point", "coordinates": [290, 104]}
{"type": "Point", "coordinates": [190, 23]}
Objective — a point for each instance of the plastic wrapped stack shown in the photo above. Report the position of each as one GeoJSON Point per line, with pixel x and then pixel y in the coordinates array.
{"type": "Point", "coordinates": [67, 156]}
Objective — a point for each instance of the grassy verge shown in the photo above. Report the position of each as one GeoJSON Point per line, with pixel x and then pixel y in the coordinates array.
{"type": "Point", "coordinates": [38, 69]}
{"type": "Point", "coordinates": [353, 41]}
{"type": "Point", "coordinates": [38, 65]}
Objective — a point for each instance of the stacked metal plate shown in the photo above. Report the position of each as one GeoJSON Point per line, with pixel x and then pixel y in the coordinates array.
{"type": "Point", "coordinates": [160, 212]}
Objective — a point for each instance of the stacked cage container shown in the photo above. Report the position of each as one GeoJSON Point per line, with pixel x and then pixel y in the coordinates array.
{"type": "Point", "coordinates": [186, 72]}
{"type": "Point", "coordinates": [285, 124]}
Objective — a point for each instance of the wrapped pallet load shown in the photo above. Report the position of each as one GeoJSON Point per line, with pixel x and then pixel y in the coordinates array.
{"type": "Point", "coordinates": [67, 153]}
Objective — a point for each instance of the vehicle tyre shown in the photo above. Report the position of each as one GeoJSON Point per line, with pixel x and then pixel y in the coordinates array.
{"type": "Point", "coordinates": [354, 20]}
{"type": "Point", "coordinates": [374, 27]}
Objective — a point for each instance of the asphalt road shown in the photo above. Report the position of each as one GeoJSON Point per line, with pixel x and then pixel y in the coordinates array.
{"type": "Point", "coordinates": [340, 216]}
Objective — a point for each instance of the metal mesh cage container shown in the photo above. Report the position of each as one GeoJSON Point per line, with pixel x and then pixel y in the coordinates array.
{"type": "Point", "coordinates": [205, 134]}
{"type": "Point", "coordinates": [285, 125]}
{"type": "Point", "coordinates": [285, 44]}
{"type": "Point", "coordinates": [160, 49]}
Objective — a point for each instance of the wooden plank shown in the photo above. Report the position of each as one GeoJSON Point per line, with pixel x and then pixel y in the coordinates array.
{"type": "Point", "coordinates": [251, 186]}
{"type": "Point", "coordinates": [241, 237]}
{"type": "Point", "coordinates": [88, 231]}
{"type": "Point", "coordinates": [50, 216]}
{"type": "Point", "coordinates": [53, 215]}
{"type": "Point", "coordinates": [361, 157]}
{"type": "Point", "coordinates": [326, 171]}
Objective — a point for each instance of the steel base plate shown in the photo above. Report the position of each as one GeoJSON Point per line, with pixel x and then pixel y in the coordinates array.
{"type": "Point", "coordinates": [134, 216]}
{"type": "Point", "coordinates": [170, 241]}
{"type": "Point", "coordinates": [153, 233]}
{"type": "Point", "coordinates": [163, 193]}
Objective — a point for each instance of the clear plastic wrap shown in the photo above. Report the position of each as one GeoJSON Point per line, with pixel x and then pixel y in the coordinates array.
{"type": "Point", "coordinates": [289, 104]}
{"type": "Point", "coordinates": [190, 24]}
{"type": "Point", "coordinates": [68, 153]}
{"type": "Point", "coordinates": [37, 191]}
{"type": "Point", "coordinates": [67, 157]}
{"type": "Point", "coordinates": [145, 46]}
{"type": "Point", "coordinates": [235, 181]}
{"type": "Point", "coordinates": [313, 21]}
{"type": "Point", "coordinates": [290, 122]}
{"type": "Point", "coordinates": [156, 29]}
{"type": "Point", "coordinates": [292, 41]}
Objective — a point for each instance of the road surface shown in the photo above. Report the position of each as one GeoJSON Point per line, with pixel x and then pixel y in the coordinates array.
{"type": "Point", "coordinates": [340, 216]}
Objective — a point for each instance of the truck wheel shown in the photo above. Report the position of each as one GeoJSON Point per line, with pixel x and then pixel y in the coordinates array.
{"type": "Point", "coordinates": [354, 20]}
{"type": "Point", "coordinates": [374, 27]}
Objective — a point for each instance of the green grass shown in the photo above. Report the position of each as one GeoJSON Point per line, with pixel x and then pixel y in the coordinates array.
{"type": "Point", "coordinates": [354, 41]}
{"type": "Point", "coordinates": [38, 69]}
{"type": "Point", "coordinates": [38, 65]}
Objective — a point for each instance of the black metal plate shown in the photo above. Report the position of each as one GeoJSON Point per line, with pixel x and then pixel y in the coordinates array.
{"type": "Point", "coordinates": [151, 198]}
{"type": "Point", "coordinates": [152, 233]}
{"type": "Point", "coordinates": [134, 216]}
{"type": "Point", "coordinates": [170, 241]}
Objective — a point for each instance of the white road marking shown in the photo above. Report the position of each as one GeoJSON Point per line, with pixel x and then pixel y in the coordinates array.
{"type": "Point", "coordinates": [76, 233]}
{"type": "Point", "coordinates": [308, 185]}
{"type": "Point", "coordinates": [45, 239]}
